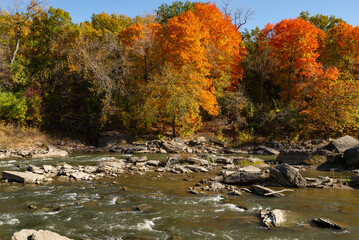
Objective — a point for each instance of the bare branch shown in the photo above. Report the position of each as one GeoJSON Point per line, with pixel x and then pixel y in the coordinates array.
{"type": "Point", "coordinates": [240, 16]}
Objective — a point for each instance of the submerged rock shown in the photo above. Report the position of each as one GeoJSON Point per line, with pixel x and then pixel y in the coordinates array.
{"type": "Point", "coordinates": [30, 234]}
{"type": "Point", "coordinates": [273, 218]}
{"type": "Point", "coordinates": [325, 223]}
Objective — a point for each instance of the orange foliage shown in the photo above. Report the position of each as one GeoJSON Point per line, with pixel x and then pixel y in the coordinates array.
{"type": "Point", "coordinates": [293, 44]}
{"type": "Point", "coordinates": [342, 47]}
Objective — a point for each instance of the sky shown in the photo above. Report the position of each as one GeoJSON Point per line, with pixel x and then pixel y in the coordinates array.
{"type": "Point", "coordinates": [266, 11]}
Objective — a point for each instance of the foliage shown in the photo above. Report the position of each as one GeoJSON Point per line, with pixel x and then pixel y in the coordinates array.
{"type": "Point", "coordinates": [321, 21]}
{"type": "Point", "coordinates": [12, 108]}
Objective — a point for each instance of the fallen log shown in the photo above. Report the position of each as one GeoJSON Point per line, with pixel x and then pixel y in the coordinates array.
{"type": "Point", "coordinates": [284, 190]}
{"type": "Point", "coordinates": [264, 191]}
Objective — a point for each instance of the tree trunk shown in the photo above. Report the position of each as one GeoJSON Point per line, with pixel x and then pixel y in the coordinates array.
{"type": "Point", "coordinates": [174, 127]}
{"type": "Point", "coordinates": [16, 47]}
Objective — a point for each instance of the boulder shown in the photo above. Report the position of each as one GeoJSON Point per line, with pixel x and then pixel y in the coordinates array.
{"type": "Point", "coordinates": [287, 176]}
{"type": "Point", "coordinates": [173, 146]}
{"type": "Point", "coordinates": [114, 166]}
{"type": "Point", "coordinates": [22, 177]}
{"type": "Point", "coordinates": [351, 157]}
{"type": "Point", "coordinates": [243, 178]}
{"type": "Point", "coordinates": [294, 156]}
{"type": "Point", "coordinates": [50, 152]}
{"type": "Point", "coordinates": [273, 218]}
{"type": "Point", "coordinates": [325, 223]}
{"type": "Point", "coordinates": [341, 144]}
{"type": "Point", "coordinates": [29, 234]}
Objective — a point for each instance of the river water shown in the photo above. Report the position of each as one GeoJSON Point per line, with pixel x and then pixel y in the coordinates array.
{"type": "Point", "coordinates": [88, 210]}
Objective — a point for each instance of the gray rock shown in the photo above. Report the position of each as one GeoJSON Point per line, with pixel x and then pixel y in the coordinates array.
{"type": "Point", "coordinates": [294, 156]}
{"type": "Point", "coordinates": [172, 160]}
{"type": "Point", "coordinates": [192, 160]}
{"type": "Point", "coordinates": [224, 160]}
{"type": "Point", "coordinates": [135, 159]}
{"type": "Point", "coordinates": [196, 168]}
{"type": "Point", "coordinates": [274, 218]}
{"type": "Point", "coordinates": [154, 163]}
{"type": "Point", "coordinates": [29, 234]}
{"type": "Point", "coordinates": [22, 177]}
{"type": "Point", "coordinates": [351, 157]}
{"type": "Point", "coordinates": [113, 166]}
{"type": "Point", "coordinates": [243, 178]}
{"type": "Point", "coordinates": [341, 144]}
{"type": "Point", "coordinates": [325, 223]}
{"type": "Point", "coordinates": [268, 150]}
{"type": "Point", "coordinates": [287, 176]}
{"type": "Point", "coordinates": [249, 168]}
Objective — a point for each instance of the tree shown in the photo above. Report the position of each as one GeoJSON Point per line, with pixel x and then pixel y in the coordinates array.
{"type": "Point", "coordinates": [321, 21]}
{"type": "Point", "coordinates": [293, 45]}
{"type": "Point", "coordinates": [16, 19]}
{"type": "Point", "coordinates": [342, 48]}
{"type": "Point", "coordinates": [166, 12]}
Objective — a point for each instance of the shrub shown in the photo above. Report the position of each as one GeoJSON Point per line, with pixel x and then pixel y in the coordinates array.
{"type": "Point", "coordinates": [13, 107]}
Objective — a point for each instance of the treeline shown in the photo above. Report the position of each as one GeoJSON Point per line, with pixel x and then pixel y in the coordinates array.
{"type": "Point", "coordinates": [186, 64]}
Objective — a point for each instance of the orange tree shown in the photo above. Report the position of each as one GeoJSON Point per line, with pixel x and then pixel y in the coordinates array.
{"type": "Point", "coordinates": [184, 63]}
{"type": "Point", "coordinates": [293, 45]}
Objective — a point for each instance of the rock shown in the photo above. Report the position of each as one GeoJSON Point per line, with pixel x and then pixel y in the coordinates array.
{"type": "Point", "coordinates": [35, 169]}
{"type": "Point", "coordinates": [22, 177]}
{"type": "Point", "coordinates": [249, 168]}
{"type": "Point", "coordinates": [173, 146]}
{"type": "Point", "coordinates": [341, 144]}
{"type": "Point", "coordinates": [351, 157]}
{"type": "Point", "coordinates": [172, 160]}
{"type": "Point", "coordinates": [135, 159]}
{"type": "Point", "coordinates": [77, 175]}
{"type": "Point", "coordinates": [192, 160]}
{"type": "Point", "coordinates": [153, 163]}
{"type": "Point", "coordinates": [243, 178]}
{"type": "Point", "coordinates": [216, 186]}
{"type": "Point", "coordinates": [49, 153]}
{"type": "Point", "coordinates": [111, 166]}
{"type": "Point", "coordinates": [143, 207]}
{"type": "Point", "coordinates": [274, 218]}
{"type": "Point", "coordinates": [287, 176]}
{"type": "Point", "coordinates": [268, 150]}
{"type": "Point", "coordinates": [224, 160]}
{"type": "Point", "coordinates": [49, 169]}
{"type": "Point", "coordinates": [325, 223]}
{"type": "Point", "coordinates": [29, 234]}
{"type": "Point", "coordinates": [196, 168]}
{"type": "Point", "coordinates": [294, 156]}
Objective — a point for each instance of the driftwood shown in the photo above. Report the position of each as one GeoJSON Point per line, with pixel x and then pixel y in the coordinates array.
{"type": "Point", "coordinates": [264, 191]}
{"type": "Point", "coordinates": [284, 190]}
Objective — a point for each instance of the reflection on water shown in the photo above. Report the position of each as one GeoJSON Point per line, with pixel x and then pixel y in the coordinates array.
{"type": "Point", "coordinates": [92, 209]}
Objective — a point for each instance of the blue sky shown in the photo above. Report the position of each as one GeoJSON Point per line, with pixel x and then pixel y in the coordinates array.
{"type": "Point", "coordinates": [265, 10]}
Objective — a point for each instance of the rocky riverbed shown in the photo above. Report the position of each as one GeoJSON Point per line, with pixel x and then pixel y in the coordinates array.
{"type": "Point", "coordinates": [231, 176]}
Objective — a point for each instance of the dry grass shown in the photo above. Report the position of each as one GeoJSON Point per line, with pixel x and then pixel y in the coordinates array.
{"type": "Point", "coordinates": [13, 137]}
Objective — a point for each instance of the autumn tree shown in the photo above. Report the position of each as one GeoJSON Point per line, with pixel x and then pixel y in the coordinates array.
{"type": "Point", "coordinates": [293, 45]}
{"type": "Point", "coordinates": [321, 21]}
{"type": "Point", "coordinates": [342, 48]}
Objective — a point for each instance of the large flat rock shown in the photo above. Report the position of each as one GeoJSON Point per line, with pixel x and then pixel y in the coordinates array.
{"type": "Point", "coordinates": [30, 234]}
{"type": "Point", "coordinates": [21, 177]}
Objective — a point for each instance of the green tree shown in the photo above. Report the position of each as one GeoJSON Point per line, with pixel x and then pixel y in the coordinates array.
{"type": "Point", "coordinates": [321, 21]}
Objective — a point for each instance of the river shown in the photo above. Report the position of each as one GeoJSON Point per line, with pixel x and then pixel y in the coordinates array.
{"type": "Point", "coordinates": [89, 210]}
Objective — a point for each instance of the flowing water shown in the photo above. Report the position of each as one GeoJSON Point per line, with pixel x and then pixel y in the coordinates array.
{"type": "Point", "coordinates": [88, 210]}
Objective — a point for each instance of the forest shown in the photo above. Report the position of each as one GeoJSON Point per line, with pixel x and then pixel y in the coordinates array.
{"type": "Point", "coordinates": [187, 66]}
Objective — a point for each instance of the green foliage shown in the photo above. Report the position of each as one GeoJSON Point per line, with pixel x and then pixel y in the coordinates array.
{"type": "Point", "coordinates": [13, 108]}
{"type": "Point", "coordinates": [321, 21]}
{"type": "Point", "coordinates": [166, 12]}
{"type": "Point", "coordinates": [244, 163]}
